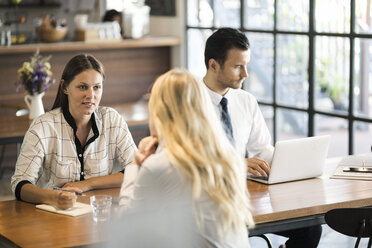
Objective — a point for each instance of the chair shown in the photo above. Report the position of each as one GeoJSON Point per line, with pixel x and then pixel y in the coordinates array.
{"type": "Point", "coordinates": [264, 237]}
{"type": "Point", "coordinates": [354, 222]}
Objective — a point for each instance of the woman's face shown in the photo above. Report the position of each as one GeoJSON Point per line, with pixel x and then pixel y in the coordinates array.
{"type": "Point", "coordinates": [84, 93]}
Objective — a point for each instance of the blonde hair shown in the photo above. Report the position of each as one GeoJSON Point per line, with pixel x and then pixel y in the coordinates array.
{"type": "Point", "coordinates": [186, 121]}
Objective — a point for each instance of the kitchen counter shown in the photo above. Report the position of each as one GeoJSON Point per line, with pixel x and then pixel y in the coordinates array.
{"type": "Point", "coordinates": [100, 45]}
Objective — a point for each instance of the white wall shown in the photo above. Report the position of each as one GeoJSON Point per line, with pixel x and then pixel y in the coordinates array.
{"type": "Point", "coordinates": [172, 26]}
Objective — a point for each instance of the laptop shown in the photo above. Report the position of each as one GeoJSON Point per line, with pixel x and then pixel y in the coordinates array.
{"type": "Point", "coordinates": [297, 159]}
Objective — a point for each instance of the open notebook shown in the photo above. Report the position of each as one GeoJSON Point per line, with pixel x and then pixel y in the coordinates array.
{"type": "Point", "coordinates": [78, 209]}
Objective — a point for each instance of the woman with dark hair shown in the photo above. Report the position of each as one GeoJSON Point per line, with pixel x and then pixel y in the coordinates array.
{"type": "Point", "coordinates": [74, 145]}
{"type": "Point", "coordinates": [113, 15]}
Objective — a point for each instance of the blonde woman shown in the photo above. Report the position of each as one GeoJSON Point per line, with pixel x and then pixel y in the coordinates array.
{"type": "Point", "coordinates": [190, 190]}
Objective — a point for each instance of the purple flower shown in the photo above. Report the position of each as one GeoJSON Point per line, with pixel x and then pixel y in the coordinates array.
{"type": "Point", "coordinates": [35, 76]}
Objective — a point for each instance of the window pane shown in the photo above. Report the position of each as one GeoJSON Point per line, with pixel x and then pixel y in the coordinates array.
{"type": "Point", "coordinates": [199, 13]}
{"type": "Point", "coordinates": [292, 70]}
{"type": "Point", "coordinates": [362, 137]}
{"type": "Point", "coordinates": [227, 13]}
{"type": "Point", "coordinates": [260, 68]}
{"type": "Point", "coordinates": [291, 124]}
{"type": "Point", "coordinates": [332, 16]}
{"type": "Point", "coordinates": [338, 129]}
{"type": "Point", "coordinates": [268, 114]}
{"type": "Point", "coordinates": [115, 4]}
{"type": "Point", "coordinates": [259, 14]}
{"type": "Point", "coordinates": [332, 74]}
{"type": "Point", "coordinates": [363, 78]}
{"type": "Point", "coordinates": [195, 48]}
{"type": "Point", "coordinates": [293, 15]}
{"type": "Point", "coordinates": [363, 16]}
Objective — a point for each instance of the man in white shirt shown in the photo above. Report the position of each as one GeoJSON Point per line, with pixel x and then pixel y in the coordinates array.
{"type": "Point", "coordinates": [227, 54]}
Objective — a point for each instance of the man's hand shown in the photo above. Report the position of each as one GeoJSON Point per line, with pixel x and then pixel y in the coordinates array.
{"type": "Point", "coordinates": [258, 167]}
{"type": "Point", "coordinates": [146, 147]}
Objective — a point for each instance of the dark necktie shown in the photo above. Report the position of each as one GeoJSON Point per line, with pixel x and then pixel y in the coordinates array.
{"type": "Point", "coordinates": [226, 121]}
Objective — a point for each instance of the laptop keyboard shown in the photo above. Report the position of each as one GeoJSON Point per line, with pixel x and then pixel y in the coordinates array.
{"type": "Point", "coordinates": [258, 177]}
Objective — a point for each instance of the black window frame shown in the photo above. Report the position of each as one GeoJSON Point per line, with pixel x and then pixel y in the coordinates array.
{"type": "Point", "coordinates": [312, 34]}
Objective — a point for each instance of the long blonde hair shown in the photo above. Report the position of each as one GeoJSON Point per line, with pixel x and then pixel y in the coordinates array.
{"type": "Point", "coordinates": [185, 120]}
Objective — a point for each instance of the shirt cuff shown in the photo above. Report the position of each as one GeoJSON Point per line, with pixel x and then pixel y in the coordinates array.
{"type": "Point", "coordinates": [18, 188]}
{"type": "Point", "coordinates": [127, 188]}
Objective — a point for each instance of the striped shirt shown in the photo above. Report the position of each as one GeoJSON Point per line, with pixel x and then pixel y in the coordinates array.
{"type": "Point", "coordinates": [51, 155]}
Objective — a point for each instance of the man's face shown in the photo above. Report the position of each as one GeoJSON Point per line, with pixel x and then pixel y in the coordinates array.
{"type": "Point", "coordinates": [234, 70]}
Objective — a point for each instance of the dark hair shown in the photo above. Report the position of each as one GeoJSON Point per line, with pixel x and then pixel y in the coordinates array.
{"type": "Point", "coordinates": [75, 66]}
{"type": "Point", "coordinates": [110, 14]}
{"type": "Point", "coordinates": [221, 41]}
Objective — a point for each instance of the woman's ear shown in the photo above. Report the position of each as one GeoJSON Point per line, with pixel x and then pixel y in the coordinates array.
{"type": "Point", "coordinates": [63, 88]}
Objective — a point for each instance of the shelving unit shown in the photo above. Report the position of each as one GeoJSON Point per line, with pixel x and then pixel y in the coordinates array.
{"type": "Point", "coordinates": [41, 4]}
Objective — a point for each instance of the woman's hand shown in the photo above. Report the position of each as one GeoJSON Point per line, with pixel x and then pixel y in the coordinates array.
{"type": "Point", "coordinates": [78, 186]}
{"type": "Point", "coordinates": [65, 199]}
{"type": "Point", "coordinates": [146, 147]}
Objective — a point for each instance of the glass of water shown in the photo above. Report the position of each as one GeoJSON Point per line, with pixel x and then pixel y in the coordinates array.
{"type": "Point", "coordinates": [101, 205]}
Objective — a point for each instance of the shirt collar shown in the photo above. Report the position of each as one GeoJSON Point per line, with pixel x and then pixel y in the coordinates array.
{"type": "Point", "coordinates": [71, 121]}
{"type": "Point", "coordinates": [215, 97]}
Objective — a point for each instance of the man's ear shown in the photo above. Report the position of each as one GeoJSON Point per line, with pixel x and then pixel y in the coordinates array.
{"type": "Point", "coordinates": [213, 65]}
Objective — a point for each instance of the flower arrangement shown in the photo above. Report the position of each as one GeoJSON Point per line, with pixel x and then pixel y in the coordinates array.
{"type": "Point", "coordinates": [35, 76]}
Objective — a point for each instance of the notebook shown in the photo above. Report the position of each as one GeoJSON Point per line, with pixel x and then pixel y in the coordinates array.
{"type": "Point", "coordinates": [357, 167]}
{"type": "Point", "coordinates": [78, 209]}
{"type": "Point", "coordinates": [297, 159]}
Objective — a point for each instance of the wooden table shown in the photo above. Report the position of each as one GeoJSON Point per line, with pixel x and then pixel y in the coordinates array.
{"type": "Point", "coordinates": [285, 206]}
{"type": "Point", "coordinates": [13, 128]}
{"type": "Point", "coordinates": [276, 208]}
{"type": "Point", "coordinates": [21, 224]}
{"type": "Point", "coordinates": [135, 114]}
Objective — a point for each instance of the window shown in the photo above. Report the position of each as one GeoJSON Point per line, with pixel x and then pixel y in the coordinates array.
{"type": "Point", "coordinates": [310, 69]}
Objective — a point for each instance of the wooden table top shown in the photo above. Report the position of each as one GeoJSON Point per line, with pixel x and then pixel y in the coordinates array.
{"type": "Point", "coordinates": [134, 114]}
{"type": "Point", "coordinates": [12, 126]}
{"type": "Point", "coordinates": [307, 197]}
{"type": "Point", "coordinates": [271, 204]}
{"type": "Point", "coordinates": [26, 226]}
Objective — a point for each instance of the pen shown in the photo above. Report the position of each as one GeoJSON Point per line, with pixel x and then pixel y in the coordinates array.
{"type": "Point", "coordinates": [76, 193]}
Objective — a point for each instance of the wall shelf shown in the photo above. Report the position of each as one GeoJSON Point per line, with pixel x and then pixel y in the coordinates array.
{"type": "Point", "coordinates": [91, 46]}
{"type": "Point", "coordinates": [30, 5]}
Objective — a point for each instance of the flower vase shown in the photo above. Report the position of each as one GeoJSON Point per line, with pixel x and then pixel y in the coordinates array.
{"type": "Point", "coordinates": [35, 105]}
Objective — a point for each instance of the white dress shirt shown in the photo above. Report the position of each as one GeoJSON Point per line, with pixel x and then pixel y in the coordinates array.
{"type": "Point", "coordinates": [251, 135]}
